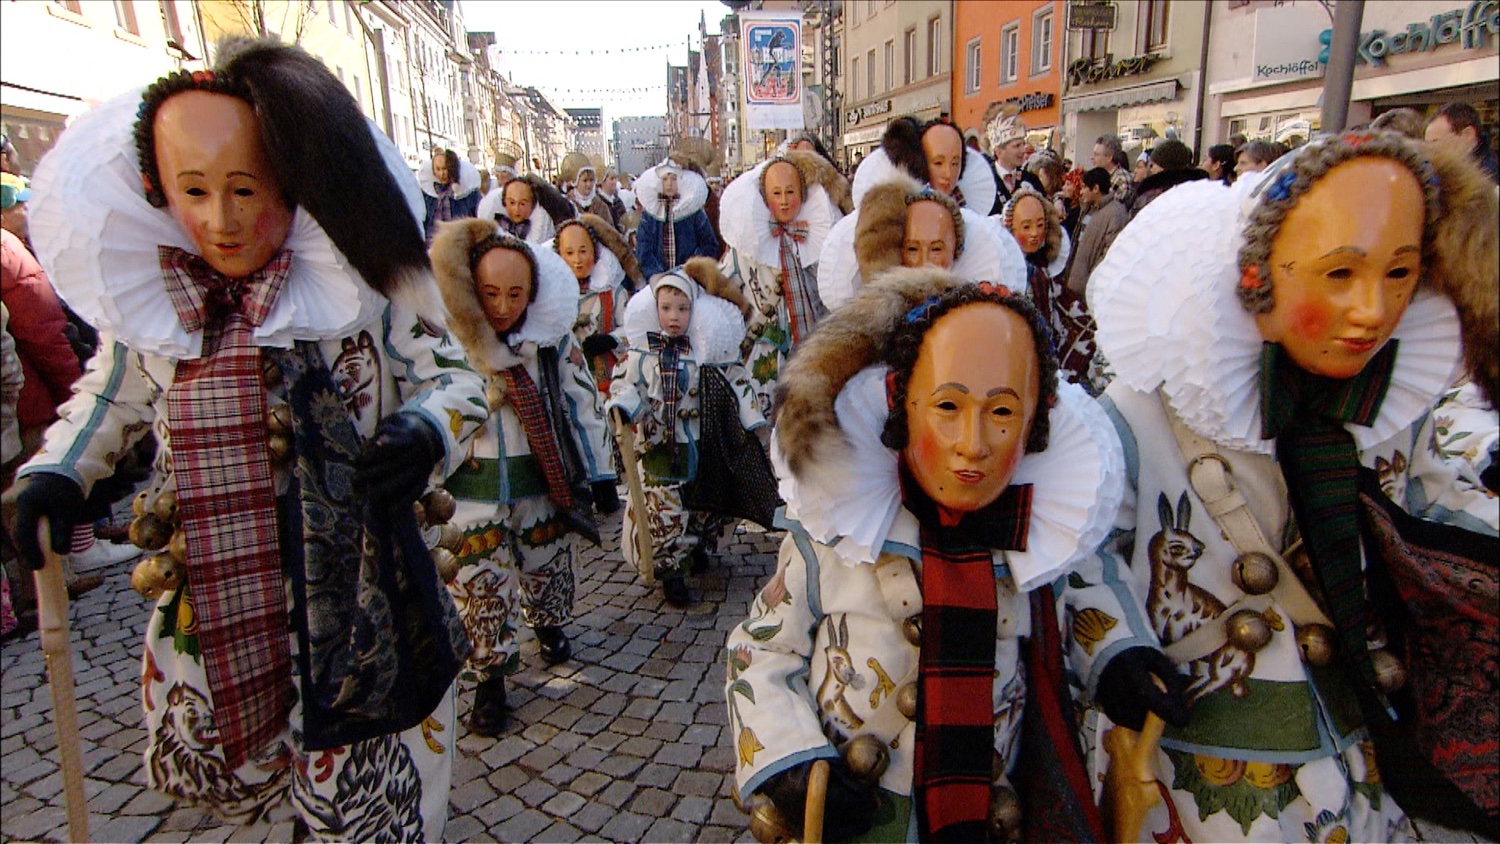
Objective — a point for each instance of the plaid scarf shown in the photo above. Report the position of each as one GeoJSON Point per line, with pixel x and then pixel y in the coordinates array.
{"type": "Point", "coordinates": [673, 377]}
{"type": "Point", "coordinates": [668, 232]}
{"type": "Point", "coordinates": [443, 211]}
{"type": "Point", "coordinates": [227, 497]}
{"type": "Point", "coordinates": [523, 395]}
{"type": "Point", "coordinates": [1306, 415]}
{"type": "Point", "coordinates": [511, 227]}
{"type": "Point", "coordinates": [801, 311]}
{"type": "Point", "coordinates": [958, 195]}
{"type": "Point", "coordinates": [952, 774]}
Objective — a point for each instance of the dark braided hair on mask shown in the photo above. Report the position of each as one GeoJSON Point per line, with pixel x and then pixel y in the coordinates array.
{"type": "Point", "coordinates": [151, 102]}
{"type": "Point", "coordinates": [501, 240]}
{"type": "Point", "coordinates": [593, 238]}
{"type": "Point", "coordinates": [906, 345]}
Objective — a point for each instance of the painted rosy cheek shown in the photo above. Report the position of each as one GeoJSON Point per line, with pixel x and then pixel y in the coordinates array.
{"type": "Point", "coordinates": [1310, 319]}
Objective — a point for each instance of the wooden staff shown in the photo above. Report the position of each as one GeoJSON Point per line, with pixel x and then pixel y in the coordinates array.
{"type": "Point", "coordinates": [625, 435]}
{"type": "Point", "coordinates": [817, 798]}
{"type": "Point", "coordinates": [1130, 783]}
{"type": "Point", "coordinates": [52, 621]}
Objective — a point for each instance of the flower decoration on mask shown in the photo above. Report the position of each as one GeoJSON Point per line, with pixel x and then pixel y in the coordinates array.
{"type": "Point", "coordinates": [921, 311]}
{"type": "Point", "coordinates": [1281, 186]}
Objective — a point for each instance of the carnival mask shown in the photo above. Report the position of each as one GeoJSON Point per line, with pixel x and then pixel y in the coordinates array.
{"type": "Point", "coordinates": [944, 150]}
{"type": "Point", "coordinates": [1344, 266]}
{"type": "Point", "coordinates": [577, 250]}
{"type": "Point", "coordinates": [1028, 222]}
{"type": "Point", "coordinates": [519, 201]}
{"type": "Point", "coordinates": [970, 402]}
{"type": "Point", "coordinates": [503, 279]}
{"type": "Point", "coordinates": [783, 187]}
{"type": "Point", "coordinates": [219, 185]}
{"type": "Point", "coordinates": [674, 310]}
{"type": "Point", "coordinates": [931, 238]}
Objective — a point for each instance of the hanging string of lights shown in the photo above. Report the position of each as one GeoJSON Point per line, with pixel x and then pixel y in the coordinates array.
{"type": "Point", "coordinates": [643, 89]}
{"type": "Point", "coordinates": [607, 51]}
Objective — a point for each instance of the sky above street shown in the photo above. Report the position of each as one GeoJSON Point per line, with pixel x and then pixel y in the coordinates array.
{"type": "Point", "coordinates": [547, 44]}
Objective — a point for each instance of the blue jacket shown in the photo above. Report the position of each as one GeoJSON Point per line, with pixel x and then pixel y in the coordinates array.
{"type": "Point", "coordinates": [695, 236]}
{"type": "Point", "coordinates": [463, 206]}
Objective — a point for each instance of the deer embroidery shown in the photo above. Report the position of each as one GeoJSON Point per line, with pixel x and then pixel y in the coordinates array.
{"type": "Point", "coordinates": [1178, 607]}
{"type": "Point", "coordinates": [838, 717]}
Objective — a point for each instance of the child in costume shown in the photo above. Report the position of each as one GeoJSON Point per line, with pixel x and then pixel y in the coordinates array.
{"type": "Point", "coordinates": [1286, 475]}
{"type": "Point", "coordinates": [775, 219]}
{"type": "Point", "coordinates": [260, 306]}
{"type": "Point", "coordinates": [525, 486]}
{"type": "Point", "coordinates": [607, 273]}
{"type": "Point", "coordinates": [673, 226]}
{"type": "Point", "coordinates": [687, 331]}
{"type": "Point", "coordinates": [940, 484]}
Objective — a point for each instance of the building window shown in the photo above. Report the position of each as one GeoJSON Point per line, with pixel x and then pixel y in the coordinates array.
{"type": "Point", "coordinates": [1010, 53]}
{"type": "Point", "coordinates": [349, 20]}
{"type": "Point", "coordinates": [71, 5]}
{"type": "Point", "coordinates": [856, 11]}
{"type": "Point", "coordinates": [890, 65]}
{"type": "Point", "coordinates": [971, 66]}
{"type": "Point", "coordinates": [125, 16]}
{"type": "Point", "coordinates": [869, 9]}
{"type": "Point", "coordinates": [1041, 42]}
{"type": "Point", "coordinates": [359, 93]}
{"type": "Point", "coordinates": [870, 72]}
{"type": "Point", "coordinates": [174, 26]}
{"type": "Point", "coordinates": [934, 46]}
{"type": "Point", "coordinates": [1153, 25]}
{"type": "Point", "coordinates": [1095, 43]}
{"type": "Point", "coordinates": [333, 11]}
{"type": "Point", "coordinates": [909, 74]}
{"type": "Point", "coordinates": [854, 77]}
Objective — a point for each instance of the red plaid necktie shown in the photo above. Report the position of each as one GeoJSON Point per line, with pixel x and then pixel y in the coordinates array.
{"type": "Point", "coordinates": [668, 233]}
{"type": "Point", "coordinates": [226, 498]}
{"type": "Point", "coordinates": [527, 400]}
{"type": "Point", "coordinates": [798, 298]}
{"type": "Point", "coordinates": [673, 376]}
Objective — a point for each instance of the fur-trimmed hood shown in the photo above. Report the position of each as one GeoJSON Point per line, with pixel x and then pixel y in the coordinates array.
{"type": "Point", "coordinates": [1466, 262]}
{"type": "Point", "coordinates": [610, 238]}
{"type": "Point", "coordinates": [882, 223]}
{"type": "Point", "coordinates": [550, 316]}
{"type": "Point", "coordinates": [847, 340]}
{"type": "Point", "coordinates": [719, 310]}
{"type": "Point", "coordinates": [817, 170]}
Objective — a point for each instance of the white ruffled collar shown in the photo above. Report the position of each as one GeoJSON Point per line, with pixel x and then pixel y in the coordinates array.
{"type": "Point", "coordinates": [990, 254]}
{"type": "Point", "coordinates": [468, 179]}
{"type": "Point", "coordinates": [607, 273]}
{"type": "Point", "coordinates": [853, 503]}
{"type": "Point", "coordinates": [745, 221]}
{"type": "Point", "coordinates": [715, 330]}
{"type": "Point", "coordinates": [977, 184]}
{"type": "Point", "coordinates": [692, 193]}
{"type": "Point", "coordinates": [97, 237]}
{"type": "Point", "coordinates": [492, 207]}
{"type": "Point", "coordinates": [1169, 318]}
{"type": "Point", "coordinates": [554, 312]}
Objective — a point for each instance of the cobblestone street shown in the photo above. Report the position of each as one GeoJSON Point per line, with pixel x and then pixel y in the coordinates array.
{"type": "Point", "coordinates": [625, 742]}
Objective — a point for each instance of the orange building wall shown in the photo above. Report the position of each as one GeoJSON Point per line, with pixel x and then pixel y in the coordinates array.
{"type": "Point", "coordinates": [984, 19]}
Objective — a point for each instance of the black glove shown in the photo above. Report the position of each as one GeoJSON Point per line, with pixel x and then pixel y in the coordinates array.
{"type": "Point", "coordinates": [606, 500]}
{"type": "Point", "coordinates": [1127, 691]}
{"type": "Point", "coordinates": [397, 461]}
{"type": "Point", "coordinates": [44, 495]}
{"type": "Point", "coordinates": [1491, 475]}
{"type": "Point", "coordinates": [595, 345]}
{"type": "Point", "coordinates": [848, 811]}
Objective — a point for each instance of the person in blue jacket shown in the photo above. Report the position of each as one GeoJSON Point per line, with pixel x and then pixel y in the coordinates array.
{"type": "Point", "coordinates": [672, 191]}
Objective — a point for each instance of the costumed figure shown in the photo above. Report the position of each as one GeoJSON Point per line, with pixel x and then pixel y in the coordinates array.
{"type": "Point", "coordinates": [584, 195]}
{"type": "Point", "coordinates": [260, 306]}
{"type": "Point", "coordinates": [933, 153]}
{"type": "Point", "coordinates": [904, 223]}
{"type": "Point", "coordinates": [673, 226]}
{"type": "Point", "coordinates": [1006, 133]}
{"type": "Point", "coordinates": [684, 390]}
{"type": "Point", "coordinates": [607, 274]}
{"type": "Point", "coordinates": [939, 482]}
{"type": "Point", "coordinates": [1037, 227]}
{"type": "Point", "coordinates": [776, 217]}
{"type": "Point", "coordinates": [450, 189]}
{"type": "Point", "coordinates": [526, 486]}
{"type": "Point", "coordinates": [1302, 547]}
{"type": "Point", "coordinates": [614, 196]}
{"type": "Point", "coordinates": [518, 209]}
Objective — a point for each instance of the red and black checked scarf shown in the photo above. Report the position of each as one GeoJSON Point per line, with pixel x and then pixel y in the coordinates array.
{"type": "Point", "coordinates": [226, 498]}
{"type": "Point", "coordinates": [668, 232]}
{"type": "Point", "coordinates": [511, 227]}
{"type": "Point", "coordinates": [673, 377]}
{"type": "Point", "coordinates": [952, 774]}
{"type": "Point", "coordinates": [1306, 415]}
{"type": "Point", "coordinates": [527, 400]}
{"type": "Point", "coordinates": [800, 312]}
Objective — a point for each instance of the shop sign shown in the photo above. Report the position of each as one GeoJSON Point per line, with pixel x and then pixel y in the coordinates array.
{"type": "Point", "coordinates": [1089, 71]}
{"type": "Point", "coordinates": [1474, 26]}
{"type": "Point", "coordinates": [1091, 16]}
{"type": "Point", "coordinates": [1285, 47]}
{"type": "Point", "coordinates": [854, 115]}
{"type": "Point", "coordinates": [1034, 101]}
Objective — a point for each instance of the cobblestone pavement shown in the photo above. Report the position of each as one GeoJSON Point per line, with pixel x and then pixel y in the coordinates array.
{"type": "Point", "coordinates": [625, 742]}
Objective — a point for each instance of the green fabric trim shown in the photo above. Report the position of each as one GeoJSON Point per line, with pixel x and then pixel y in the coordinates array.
{"type": "Point", "coordinates": [1273, 718]}
{"type": "Point", "coordinates": [657, 461]}
{"type": "Point", "coordinates": [891, 820]}
{"type": "Point", "coordinates": [478, 479]}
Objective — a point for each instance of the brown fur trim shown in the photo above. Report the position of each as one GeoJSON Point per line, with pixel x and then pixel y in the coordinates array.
{"type": "Point", "coordinates": [612, 240]}
{"type": "Point", "coordinates": [1049, 210]}
{"type": "Point", "coordinates": [706, 272]}
{"type": "Point", "coordinates": [882, 225]}
{"type": "Point", "coordinates": [450, 264]}
{"type": "Point", "coordinates": [816, 170]}
{"type": "Point", "coordinates": [849, 339]}
{"type": "Point", "coordinates": [1466, 262]}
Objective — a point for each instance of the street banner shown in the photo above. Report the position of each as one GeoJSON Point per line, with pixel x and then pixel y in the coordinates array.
{"type": "Point", "coordinates": [772, 68]}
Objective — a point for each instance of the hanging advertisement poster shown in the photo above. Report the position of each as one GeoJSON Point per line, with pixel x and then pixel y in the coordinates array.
{"type": "Point", "coordinates": [773, 80]}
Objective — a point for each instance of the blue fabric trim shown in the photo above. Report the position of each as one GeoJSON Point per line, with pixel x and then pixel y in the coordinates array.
{"type": "Point", "coordinates": [54, 469]}
{"type": "Point", "coordinates": [787, 763]}
{"type": "Point", "coordinates": [390, 349]}
{"type": "Point", "coordinates": [1108, 653]}
{"type": "Point", "coordinates": [814, 571]}
{"type": "Point", "coordinates": [102, 402]}
{"type": "Point", "coordinates": [1127, 440]}
{"type": "Point", "coordinates": [901, 549]}
{"type": "Point", "coordinates": [418, 410]}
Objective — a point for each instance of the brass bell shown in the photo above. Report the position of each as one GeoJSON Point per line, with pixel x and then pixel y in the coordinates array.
{"type": "Point", "coordinates": [139, 504]}
{"type": "Point", "coordinates": [1005, 814]}
{"type": "Point", "coordinates": [766, 823]}
{"type": "Point", "coordinates": [440, 506]}
{"type": "Point", "coordinates": [868, 757]}
{"type": "Point", "coordinates": [1375, 635]}
{"type": "Point", "coordinates": [420, 512]}
{"type": "Point", "coordinates": [912, 627]}
{"type": "Point", "coordinates": [1316, 643]}
{"type": "Point", "coordinates": [1390, 672]}
{"type": "Point", "coordinates": [451, 537]}
{"type": "Point", "coordinates": [279, 419]}
{"type": "Point", "coordinates": [150, 533]}
{"type": "Point", "coordinates": [1254, 573]}
{"type": "Point", "coordinates": [270, 374]}
{"type": "Point", "coordinates": [1247, 630]}
{"type": "Point", "coordinates": [447, 564]}
{"type": "Point", "coordinates": [157, 574]}
{"type": "Point", "coordinates": [177, 546]}
{"type": "Point", "coordinates": [906, 700]}
{"type": "Point", "coordinates": [280, 446]}
{"type": "Point", "coordinates": [165, 505]}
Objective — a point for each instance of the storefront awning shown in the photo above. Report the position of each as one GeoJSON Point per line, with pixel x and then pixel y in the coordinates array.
{"type": "Point", "coordinates": [1155, 92]}
{"type": "Point", "coordinates": [864, 135]}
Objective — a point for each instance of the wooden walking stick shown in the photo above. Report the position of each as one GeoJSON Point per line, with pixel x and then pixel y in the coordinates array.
{"type": "Point", "coordinates": [625, 435]}
{"type": "Point", "coordinates": [1130, 788]}
{"type": "Point", "coordinates": [52, 621]}
{"type": "Point", "coordinates": [817, 798]}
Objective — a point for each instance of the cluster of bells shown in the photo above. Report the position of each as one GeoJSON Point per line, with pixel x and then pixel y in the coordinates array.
{"type": "Point", "coordinates": [1257, 574]}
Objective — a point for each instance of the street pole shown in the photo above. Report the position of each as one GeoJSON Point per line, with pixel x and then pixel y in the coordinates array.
{"type": "Point", "coordinates": [1338, 83]}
